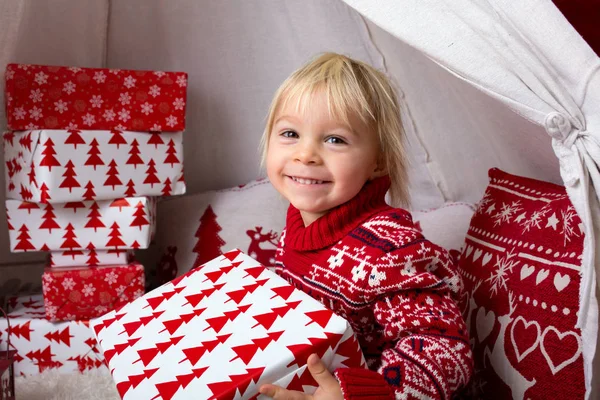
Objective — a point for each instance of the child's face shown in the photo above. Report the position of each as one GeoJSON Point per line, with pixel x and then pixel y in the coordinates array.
{"type": "Point", "coordinates": [317, 162]}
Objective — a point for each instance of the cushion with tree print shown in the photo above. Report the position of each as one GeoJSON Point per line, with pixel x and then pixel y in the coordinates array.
{"type": "Point", "coordinates": [197, 228]}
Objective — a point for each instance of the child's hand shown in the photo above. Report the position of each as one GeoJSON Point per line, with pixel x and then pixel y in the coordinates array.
{"type": "Point", "coordinates": [329, 388]}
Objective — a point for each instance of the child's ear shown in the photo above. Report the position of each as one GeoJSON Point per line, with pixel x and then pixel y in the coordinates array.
{"type": "Point", "coordinates": [379, 171]}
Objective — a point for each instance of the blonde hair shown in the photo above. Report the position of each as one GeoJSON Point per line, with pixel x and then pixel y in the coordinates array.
{"type": "Point", "coordinates": [356, 88]}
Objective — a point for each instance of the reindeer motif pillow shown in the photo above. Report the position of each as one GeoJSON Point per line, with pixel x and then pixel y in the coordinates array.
{"type": "Point", "coordinates": [520, 265]}
{"type": "Point", "coordinates": [195, 229]}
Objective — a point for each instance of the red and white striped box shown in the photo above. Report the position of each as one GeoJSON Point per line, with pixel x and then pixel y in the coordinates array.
{"type": "Point", "coordinates": [40, 344]}
{"type": "Point", "coordinates": [84, 292]}
{"type": "Point", "coordinates": [57, 166]}
{"type": "Point", "coordinates": [89, 258]}
{"type": "Point", "coordinates": [120, 224]}
{"type": "Point", "coordinates": [52, 97]}
{"type": "Point", "coordinates": [220, 331]}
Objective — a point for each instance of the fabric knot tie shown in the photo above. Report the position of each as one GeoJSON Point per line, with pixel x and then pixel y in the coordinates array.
{"type": "Point", "coordinates": [560, 128]}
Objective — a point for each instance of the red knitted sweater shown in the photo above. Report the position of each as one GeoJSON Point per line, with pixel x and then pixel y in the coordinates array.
{"type": "Point", "coordinates": [368, 263]}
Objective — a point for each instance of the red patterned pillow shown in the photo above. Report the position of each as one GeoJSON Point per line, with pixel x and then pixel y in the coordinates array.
{"type": "Point", "coordinates": [521, 265]}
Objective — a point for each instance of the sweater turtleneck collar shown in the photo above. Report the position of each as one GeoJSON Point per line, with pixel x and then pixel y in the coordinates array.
{"type": "Point", "coordinates": [339, 221]}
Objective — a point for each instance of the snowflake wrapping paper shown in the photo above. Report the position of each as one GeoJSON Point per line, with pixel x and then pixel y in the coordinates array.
{"type": "Point", "coordinates": [120, 224]}
{"type": "Point", "coordinates": [220, 331]}
{"type": "Point", "coordinates": [50, 97]}
{"type": "Point", "coordinates": [57, 166]}
{"type": "Point", "coordinates": [40, 344]}
{"type": "Point", "coordinates": [90, 258]}
{"type": "Point", "coordinates": [84, 292]}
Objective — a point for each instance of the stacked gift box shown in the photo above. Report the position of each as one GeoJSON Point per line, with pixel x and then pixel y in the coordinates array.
{"type": "Point", "coordinates": [87, 153]}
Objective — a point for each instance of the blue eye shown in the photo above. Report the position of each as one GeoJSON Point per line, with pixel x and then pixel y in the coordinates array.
{"type": "Point", "coordinates": [289, 134]}
{"type": "Point", "coordinates": [335, 140]}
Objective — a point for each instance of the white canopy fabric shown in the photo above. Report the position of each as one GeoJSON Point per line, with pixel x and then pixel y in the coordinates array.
{"type": "Point", "coordinates": [528, 56]}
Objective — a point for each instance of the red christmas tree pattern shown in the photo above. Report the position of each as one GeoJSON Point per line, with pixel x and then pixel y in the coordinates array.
{"type": "Point", "coordinates": [94, 158]}
{"type": "Point", "coordinates": [48, 159]}
{"type": "Point", "coordinates": [44, 196]}
{"type": "Point", "coordinates": [130, 189]}
{"type": "Point", "coordinates": [31, 175]}
{"type": "Point", "coordinates": [134, 158]}
{"type": "Point", "coordinates": [94, 216]}
{"type": "Point", "coordinates": [151, 177]}
{"type": "Point", "coordinates": [10, 227]}
{"type": "Point", "coordinates": [140, 216]}
{"type": "Point", "coordinates": [117, 138]}
{"type": "Point", "coordinates": [92, 260]}
{"type": "Point", "coordinates": [70, 242]}
{"type": "Point", "coordinates": [25, 193]}
{"type": "Point", "coordinates": [115, 237]}
{"type": "Point", "coordinates": [25, 141]}
{"type": "Point", "coordinates": [74, 205]}
{"type": "Point", "coordinates": [69, 182]}
{"type": "Point", "coordinates": [155, 139]}
{"type": "Point", "coordinates": [72, 253]}
{"type": "Point", "coordinates": [48, 217]}
{"type": "Point", "coordinates": [209, 242]}
{"type": "Point", "coordinates": [120, 203]}
{"type": "Point", "coordinates": [171, 157]}
{"type": "Point", "coordinates": [89, 193]}
{"type": "Point", "coordinates": [74, 138]}
{"type": "Point", "coordinates": [112, 173]}
{"type": "Point", "coordinates": [8, 137]}
{"type": "Point", "coordinates": [167, 189]}
{"type": "Point", "coordinates": [25, 205]}
{"type": "Point", "coordinates": [24, 244]}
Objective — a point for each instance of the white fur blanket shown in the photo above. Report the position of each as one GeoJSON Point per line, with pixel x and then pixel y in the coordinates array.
{"type": "Point", "coordinates": [50, 385]}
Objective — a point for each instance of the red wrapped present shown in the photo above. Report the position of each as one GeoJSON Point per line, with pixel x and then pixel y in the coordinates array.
{"type": "Point", "coordinates": [84, 293]}
{"type": "Point", "coordinates": [7, 368]}
{"type": "Point", "coordinates": [57, 166]}
{"type": "Point", "coordinates": [90, 258]}
{"type": "Point", "coordinates": [40, 344]}
{"type": "Point", "coordinates": [49, 97]}
{"type": "Point", "coordinates": [220, 331]}
{"type": "Point", "coordinates": [119, 224]}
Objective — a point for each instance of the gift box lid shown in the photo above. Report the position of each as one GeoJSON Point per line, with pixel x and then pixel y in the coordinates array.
{"type": "Point", "coordinates": [59, 97]}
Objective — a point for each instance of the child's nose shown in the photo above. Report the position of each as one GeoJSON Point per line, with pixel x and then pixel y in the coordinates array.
{"type": "Point", "coordinates": [307, 153]}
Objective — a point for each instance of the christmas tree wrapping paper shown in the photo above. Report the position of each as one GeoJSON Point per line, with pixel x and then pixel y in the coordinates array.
{"type": "Point", "coordinates": [89, 258]}
{"type": "Point", "coordinates": [220, 331]}
{"type": "Point", "coordinates": [120, 224]}
{"type": "Point", "coordinates": [84, 292]}
{"type": "Point", "coordinates": [50, 97]}
{"type": "Point", "coordinates": [58, 166]}
{"type": "Point", "coordinates": [40, 344]}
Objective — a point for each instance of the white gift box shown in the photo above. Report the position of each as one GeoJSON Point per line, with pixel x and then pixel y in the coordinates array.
{"type": "Point", "coordinates": [58, 166]}
{"type": "Point", "coordinates": [221, 331]}
{"type": "Point", "coordinates": [90, 258]}
{"type": "Point", "coordinates": [66, 346]}
{"type": "Point", "coordinates": [118, 224]}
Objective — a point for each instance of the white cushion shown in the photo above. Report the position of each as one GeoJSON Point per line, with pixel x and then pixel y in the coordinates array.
{"type": "Point", "coordinates": [251, 217]}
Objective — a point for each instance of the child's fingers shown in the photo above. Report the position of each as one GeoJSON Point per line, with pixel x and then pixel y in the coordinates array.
{"type": "Point", "coordinates": [279, 393]}
{"type": "Point", "coordinates": [319, 371]}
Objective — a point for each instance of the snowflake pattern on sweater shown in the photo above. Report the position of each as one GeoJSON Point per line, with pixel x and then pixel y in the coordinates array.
{"type": "Point", "coordinates": [368, 263]}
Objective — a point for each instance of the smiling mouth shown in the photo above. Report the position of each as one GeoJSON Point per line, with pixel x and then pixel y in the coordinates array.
{"type": "Point", "coordinates": [306, 181]}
